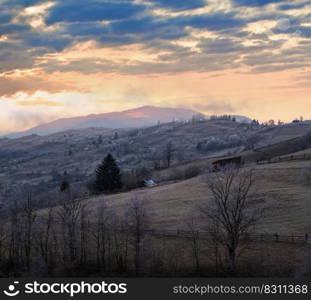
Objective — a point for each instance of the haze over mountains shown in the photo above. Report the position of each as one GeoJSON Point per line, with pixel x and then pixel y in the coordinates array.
{"type": "Point", "coordinates": [138, 117]}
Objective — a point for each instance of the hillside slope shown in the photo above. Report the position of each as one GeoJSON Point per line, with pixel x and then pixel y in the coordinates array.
{"type": "Point", "coordinates": [171, 206]}
{"type": "Point", "coordinates": [41, 160]}
{"type": "Point", "coordinates": [44, 161]}
{"type": "Point", "coordinates": [138, 117]}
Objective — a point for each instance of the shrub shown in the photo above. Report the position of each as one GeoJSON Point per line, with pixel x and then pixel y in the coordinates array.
{"type": "Point", "coordinates": [191, 171]}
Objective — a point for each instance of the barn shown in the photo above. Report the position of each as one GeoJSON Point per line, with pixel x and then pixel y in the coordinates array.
{"type": "Point", "coordinates": [235, 161]}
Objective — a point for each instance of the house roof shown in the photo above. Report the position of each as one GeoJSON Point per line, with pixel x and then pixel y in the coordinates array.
{"type": "Point", "coordinates": [227, 159]}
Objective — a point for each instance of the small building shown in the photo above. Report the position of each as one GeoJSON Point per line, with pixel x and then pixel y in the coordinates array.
{"type": "Point", "coordinates": [235, 161]}
{"type": "Point", "coordinates": [149, 183]}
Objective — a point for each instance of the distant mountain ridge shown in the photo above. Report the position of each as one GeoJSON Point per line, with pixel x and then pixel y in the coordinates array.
{"type": "Point", "coordinates": [138, 117]}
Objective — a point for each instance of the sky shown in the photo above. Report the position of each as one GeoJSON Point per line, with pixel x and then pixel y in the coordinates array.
{"type": "Point", "coordinates": [64, 58]}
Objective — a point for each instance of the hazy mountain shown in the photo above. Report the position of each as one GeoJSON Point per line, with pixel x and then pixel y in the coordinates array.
{"type": "Point", "coordinates": [138, 117]}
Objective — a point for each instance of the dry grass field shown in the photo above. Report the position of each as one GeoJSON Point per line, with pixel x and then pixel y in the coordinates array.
{"type": "Point", "coordinates": [170, 205]}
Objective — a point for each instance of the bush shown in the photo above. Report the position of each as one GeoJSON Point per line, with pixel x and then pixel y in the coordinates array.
{"type": "Point", "coordinates": [135, 178]}
{"type": "Point", "coordinates": [192, 171]}
{"type": "Point", "coordinates": [129, 181]}
{"type": "Point", "coordinates": [214, 143]}
{"type": "Point", "coordinates": [177, 174]}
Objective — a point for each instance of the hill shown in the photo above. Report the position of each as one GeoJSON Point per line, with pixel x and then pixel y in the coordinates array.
{"type": "Point", "coordinates": [43, 162]}
{"type": "Point", "coordinates": [173, 205]}
{"type": "Point", "coordinates": [138, 117]}
{"type": "Point", "coordinates": [134, 118]}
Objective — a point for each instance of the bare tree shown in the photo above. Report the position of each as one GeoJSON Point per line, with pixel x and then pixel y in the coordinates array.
{"type": "Point", "coordinates": [45, 245]}
{"type": "Point", "coordinates": [69, 213]}
{"type": "Point", "coordinates": [195, 243]}
{"type": "Point", "coordinates": [231, 208]}
{"type": "Point", "coordinates": [84, 230]}
{"type": "Point", "coordinates": [28, 215]}
{"type": "Point", "coordinates": [168, 153]}
{"type": "Point", "coordinates": [121, 239]}
{"type": "Point", "coordinates": [101, 235]}
{"type": "Point", "coordinates": [214, 230]}
{"type": "Point", "coordinates": [139, 223]}
{"type": "Point", "coordinates": [15, 239]}
{"type": "Point", "coordinates": [252, 142]}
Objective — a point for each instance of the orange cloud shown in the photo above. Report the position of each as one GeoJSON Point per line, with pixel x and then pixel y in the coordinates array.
{"type": "Point", "coordinates": [39, 102]}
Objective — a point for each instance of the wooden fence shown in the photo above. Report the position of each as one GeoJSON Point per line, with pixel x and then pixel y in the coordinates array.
{"type": "Point", "coordinates": [253, 237]}
{"type": "Point", "coordinates": [305, 156]}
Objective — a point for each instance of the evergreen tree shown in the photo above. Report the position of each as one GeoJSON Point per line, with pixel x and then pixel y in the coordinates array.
{"type": "Point", "coordinates": [108, 176]}
{"type": "Point", "coordinates": [65, 186]}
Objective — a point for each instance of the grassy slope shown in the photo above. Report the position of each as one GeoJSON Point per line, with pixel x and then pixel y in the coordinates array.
{"type": "Point", "coordinates": [171, 205]}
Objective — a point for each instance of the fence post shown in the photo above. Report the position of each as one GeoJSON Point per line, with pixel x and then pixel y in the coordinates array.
{"type": "Point", "coordinates": [276, 237]}
{"type": "Point", "coordinates": [306, 237]}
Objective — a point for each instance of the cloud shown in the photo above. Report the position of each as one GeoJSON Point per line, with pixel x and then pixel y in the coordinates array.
{"type": "Point", "coordinates": [215, 106]}
{"type": "Point", "coordinates": [13, 117]}
{"type": "Point", "coordinates": [304, 31]}
{"type": "Point", "coordinates": [14, 57]}
{"type": "Point", "coordinates": [23, 3]}
{"type": "Point", "coordinates": [12, 28]}
{"type": "Point", "coordinates": [289, 6]}
{"type": "Point", "coordinates": [268, 68]}
{"type": "Point", "coordinates": [127, 31]}
{"type": "Point", "coordinates": [11, 85]}
{"type": "Point", "coordinates": [213, 21]}
{"type": "Point", "coordinates": [39, 102]}
{"type": "Point", "coordinates": [151, 28]}
{"type": "Point", "coordinates": [48, 40]}
{"type": "Point", "coordinates": [221, 45]}
{"type": "Point", "coordinates": [125, 22]}
{"type": "Point", "coordinates": [82, 65]}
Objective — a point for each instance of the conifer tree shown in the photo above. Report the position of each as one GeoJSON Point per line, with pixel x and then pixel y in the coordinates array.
{"type": "Point", "coordinates": [65, 186]}
{"type": "Point", "coordinates": [108, 176]}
